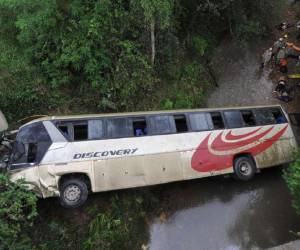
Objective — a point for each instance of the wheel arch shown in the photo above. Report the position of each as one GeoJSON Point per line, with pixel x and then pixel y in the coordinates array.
{"type": "Point", "coordinates": [76, 175]}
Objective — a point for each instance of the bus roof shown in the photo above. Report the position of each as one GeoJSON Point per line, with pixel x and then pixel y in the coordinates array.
{"type": "Point", "coordinates": [140, 113]}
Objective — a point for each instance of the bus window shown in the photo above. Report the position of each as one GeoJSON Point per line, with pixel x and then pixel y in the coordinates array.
{"type": "Point", "coordinates": [162, 124]}
{"type": "Point", "coordinates": [234, 119]}
{"type": "Point", "coordinates": [80, 132]}
{"type": "Point", "coordinates": [268, 116]}
{"type": "Point", "coordinates": [180, 123]}
{"type": "Point", "coordinates": [248, 117]}
{"type": "Point", "coordinates": [119, 127]}
{"type": "Point", "coordinates": [66, 128]}
{"type": "Point", "coordinates": [201, 121]}
{"type": "Point", "coordinates": [278, 116]}
{"type": "Point", "coordinates": [139, 126]}
{"type": "Point", "coordinates": [217, 120]}
{"type": "Point", "coordinates": [33, 140]}
{"type": "Point", "coordinates": [96, 129]}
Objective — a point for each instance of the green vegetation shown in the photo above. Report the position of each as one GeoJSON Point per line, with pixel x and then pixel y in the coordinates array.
{"type": "Point", "coordinates": [101, 56]}
{"type": "Point", "coordinates": [119, 223]}
{"type": "Point", "coordinates": [292, 179]}
{"type": "Point", "coordinates": [17, 214]}
{"type": "Point", "coordinates": [122, 226]}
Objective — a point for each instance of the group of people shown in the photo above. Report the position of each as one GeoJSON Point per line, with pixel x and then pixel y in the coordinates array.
{"type": "Point", "coordinates": [279, 53]}
{"type": "Point", "coordinates": [277, 56]}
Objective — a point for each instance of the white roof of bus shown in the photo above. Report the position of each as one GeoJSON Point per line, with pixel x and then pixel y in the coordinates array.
{"type": "Point", "coordinates": [83, 116]}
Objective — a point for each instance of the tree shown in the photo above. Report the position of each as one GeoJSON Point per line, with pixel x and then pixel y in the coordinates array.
{"type": "Point", "coordinates": [157, 14]}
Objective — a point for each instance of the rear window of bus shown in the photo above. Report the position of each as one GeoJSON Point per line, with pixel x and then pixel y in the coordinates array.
{"type": "Point", "coordinates": [268, 116]}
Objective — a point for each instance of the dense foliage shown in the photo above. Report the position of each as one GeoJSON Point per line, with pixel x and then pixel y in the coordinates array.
{"type": "Point", "coordinates": [17, 214]}
{"type": "Point", "coordinates": [121, 227]}
{"type": "Point", "coordinates": [117, 224]}
{"type": "Point", "coordinates": [98, 56]}
{"type": "Point", "coordinates": [292, 179]}
{"type": "Point", "coordinates": [86, 56]}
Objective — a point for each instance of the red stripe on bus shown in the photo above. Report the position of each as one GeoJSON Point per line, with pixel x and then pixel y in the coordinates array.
{"type": "Point", "coordinates": [205, 161]}
{"type": "Point", "coordinates": [232, 137]}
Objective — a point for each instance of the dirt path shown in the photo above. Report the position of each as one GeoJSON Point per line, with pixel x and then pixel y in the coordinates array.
{"type": "Point", "coordinates": [240, 82]}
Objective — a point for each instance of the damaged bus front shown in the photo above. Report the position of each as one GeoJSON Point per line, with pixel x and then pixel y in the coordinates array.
{"type": "Point", "coordinates": [22, 151]}
{"type": "Point", "coordinates": [27, 151]}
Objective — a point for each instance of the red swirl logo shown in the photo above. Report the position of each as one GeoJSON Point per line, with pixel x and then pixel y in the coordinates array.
{"type": "Point", "coordinates": [217, 154]}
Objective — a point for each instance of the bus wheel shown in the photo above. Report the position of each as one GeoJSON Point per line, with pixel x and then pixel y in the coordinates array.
{"type": "Point", "coordinates": [73, 193]}
{"type": "Point", "coordinates": [244, 168]}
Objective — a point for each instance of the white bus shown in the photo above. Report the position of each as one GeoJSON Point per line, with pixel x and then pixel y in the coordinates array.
{"type": "Point", "coordinates": [71, 156]}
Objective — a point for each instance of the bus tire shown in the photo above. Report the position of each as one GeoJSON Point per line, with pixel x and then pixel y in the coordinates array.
{"type": "Point", "coordinates": [73, 193]}
{"type": "Point", "coordinates": [244, 168]}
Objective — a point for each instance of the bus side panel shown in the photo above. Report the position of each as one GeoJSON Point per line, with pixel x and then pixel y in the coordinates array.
{"type": "Point", "coordinates": [162, 168]}
{"type": "Point", "coordinates": [136, 171]}
{"type": "Point", "coordinates": [188, 171]}
{"type": "Point", "coordinates": [280, 152]}
{"type": "Point", "coordinates": [118, 173]}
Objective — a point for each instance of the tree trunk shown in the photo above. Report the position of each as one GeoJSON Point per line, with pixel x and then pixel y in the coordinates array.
{"type": "Point", "coordinates": [152, 29]}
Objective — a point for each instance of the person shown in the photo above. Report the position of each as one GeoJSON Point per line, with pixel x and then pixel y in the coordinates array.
{"type": "Point", "coordinates": [280, 119]}
{"type": "Point", "coordinates": [266, 57]}
{"type": "Point", "coordinates": [280, 55]}
{"type": "Point", "coordinates": [281, 91]}
{"type": "Point", "coordinates": [278, 45]}
{"type": "Point", "coordinates": [281, 85]}
{"type": "Point", "coordinates": [291, 51]}
{"type": "Point", "coordinates": [285, 97]}
{"type": "Point", "coordinates": [139, 132]}
{"type": "Point", "coordinates": [283, 26]}
{"type": "Point", "coordinates": [283, 66]}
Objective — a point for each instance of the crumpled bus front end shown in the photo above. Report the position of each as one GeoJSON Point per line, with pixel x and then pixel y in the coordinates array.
{"type": "Point", "coordinates": [33, 182]}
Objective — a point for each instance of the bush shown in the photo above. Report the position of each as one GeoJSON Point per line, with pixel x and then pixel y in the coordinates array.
{"type": "Point", "coordinates": [17, 214]}
{"type": "Point", "coordinates": [292, 179]}
{"type": "Point", "coordinates": [120, 227]}
{"type": "Point", "coordinates": [187, 89]}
